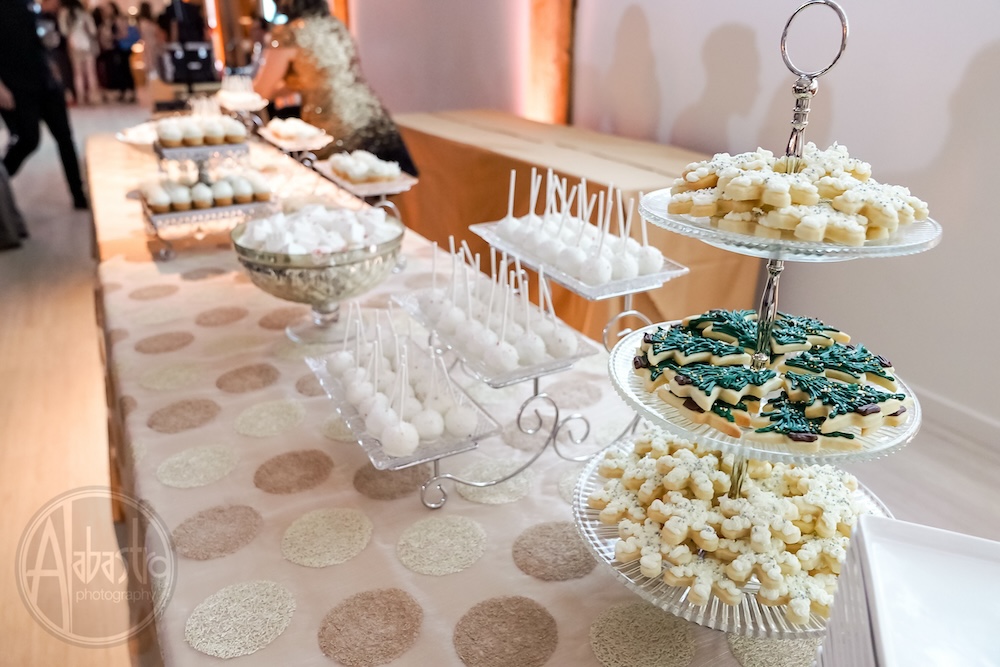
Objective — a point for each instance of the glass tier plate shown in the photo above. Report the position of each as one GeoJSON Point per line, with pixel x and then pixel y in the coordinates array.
{"type": "Point", "coordinates": [427, 451]}
{"type": "Point", "coordinates": [245, 103]}
{"type": "Point", "coordinates": [178, 224]}
{"type": "Point", "coordinates": [748, 618]}
{"type": "Point", "coordinates": [201, 153]}
{"type": "Point", "coordinates": [910, 239]}
{"type": "Point", "coordinates": [671, 270]}
{"type": "Point", "coordinates": [630, 387]}
{"type": "Point", "coordinates": [315, 143]}
{"type": "Point", "coordinates": [477, 367]}
{"type": "Point", "coordinates": [370, 189]}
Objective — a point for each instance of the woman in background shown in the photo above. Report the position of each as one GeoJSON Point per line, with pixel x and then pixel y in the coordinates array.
{"type": "Point", "coordinates": [112, 63]}
{"type": "Point", "coordinates": [152, 43]}
{"type": "Point", "coordinates": [77, 26]}
{"type": "Point", "coordinates": [316, 57]}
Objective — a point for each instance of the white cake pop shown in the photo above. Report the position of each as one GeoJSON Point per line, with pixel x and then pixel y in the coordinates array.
{"type": "Point", "coordinates": [530, 346]}
{"type": "Point", "coordinates": [400, 439]}
{"type": "Point", "coordinates": [376, 401]}
{"type": "Point", "coordinates": [380, 418]}
{"type": "Point", "coordinates": [650, 258]}
{"type": "Point", "coordinates": [432, 303]}
{"type": "Point", "coordinates": [429, 424]}
{"type": "Point", "coordinates": [510, 226]}
{"type": "Point", "coordinates": [598, 268]}
{"type": "Point", "coordinates": [461, 421]}
{"type": "Point", "coordinates": [624, 267]}
{"type": "Point", "coordinates": [502, 357]}
{"type": "Point", "coordinates": [340, 362]}
{"type": "Point", "coordinates": [358, 392]}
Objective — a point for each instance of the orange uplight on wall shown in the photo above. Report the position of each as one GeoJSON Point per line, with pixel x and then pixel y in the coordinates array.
{"type": "Point", "coordinates": [550, 53]}
{"type": "Point", "coordinates": [218, 41]}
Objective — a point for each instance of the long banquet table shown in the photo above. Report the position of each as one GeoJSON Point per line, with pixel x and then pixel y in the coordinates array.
{"type": "Point", "coordinates": [219, 417]}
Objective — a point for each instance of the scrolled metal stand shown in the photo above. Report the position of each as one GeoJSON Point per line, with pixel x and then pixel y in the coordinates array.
{"type": "Point", "coordinates": [529, 411]}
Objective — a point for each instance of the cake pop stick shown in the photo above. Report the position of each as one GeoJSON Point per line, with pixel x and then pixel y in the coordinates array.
{"type": "Point", "coordinates": [510, 194]}
{"type": "Point", "coordinates": [533, 196]}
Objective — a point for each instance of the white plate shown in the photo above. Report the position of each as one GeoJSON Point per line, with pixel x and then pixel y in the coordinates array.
{"type": "Point", "coordinates": [934, 595]}
{"type": "Point", "coordinates": [370, 189]}
{"type": "Point", "coordinates": [314, 143]}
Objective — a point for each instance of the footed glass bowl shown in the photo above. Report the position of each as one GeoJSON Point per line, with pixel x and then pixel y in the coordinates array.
{"type": "Point", "coordinates": [322, 281]}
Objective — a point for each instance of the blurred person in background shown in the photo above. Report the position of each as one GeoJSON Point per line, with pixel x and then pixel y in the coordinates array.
{"type": "Point", "coordinates": [112, 63]}
{"type": "Point", "coordinates": [56, 47]}
{"type": "Point", "coordinates": [152, 40]}
{"type": "Point", "coordinates": [12, 227]}
{"type": "Point", "coordinates": [77, 27]}
{"type": "Point", "coordinates": [31, 94]}
{"type": "Point", "coordinates": [314, 56]}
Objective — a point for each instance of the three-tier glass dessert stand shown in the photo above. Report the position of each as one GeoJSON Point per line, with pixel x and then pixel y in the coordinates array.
{"type": "Point", "coordinates": [749, 617]}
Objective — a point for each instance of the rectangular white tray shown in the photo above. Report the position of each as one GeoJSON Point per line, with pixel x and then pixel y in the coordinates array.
{"type": "Point", "coordinates": [370, 189]}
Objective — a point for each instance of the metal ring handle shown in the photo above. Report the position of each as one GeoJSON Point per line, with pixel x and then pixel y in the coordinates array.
{"type": "Point", "coordinates": [843, 38]}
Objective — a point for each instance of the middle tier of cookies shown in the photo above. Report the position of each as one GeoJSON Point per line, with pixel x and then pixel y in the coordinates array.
{"type": "Point", "coordinates": [820, 398]}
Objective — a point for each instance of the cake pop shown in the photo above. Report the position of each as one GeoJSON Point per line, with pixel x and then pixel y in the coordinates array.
{"type": "Point", "coordinates": [650, 258]}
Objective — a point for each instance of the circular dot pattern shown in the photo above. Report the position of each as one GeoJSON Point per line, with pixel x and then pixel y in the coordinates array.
{"type": "Point", "coordinates": [371, 628]}
{"type": "Point", "coordinates": [117, 335]}
{"type": "Point", "coordinates": [247, 378]}
{"type": "Point", "coordinates": [390, 484]}
{"type": "Point", "coordinates": [202, 273]}
{"type": "Point", "coordinates": [567, 483]}
{"type": "Point", "coordinates": [183, 415]}
{"type": "Point", "coordinates": [293, 471]}
{"type": "Point", "coordinates": [757, 652]}
{"type": "Point", "coordinates": [637, 633]}
{"type": "Point", "coordinates": [553, 552]}
{"type": "Point", "coordinates": [308, 385]}
{"type": "Point", "coordinates": [233, 344]}
{"type": "Point", "coordinates": [171, 378]}
{"type": "Point", "coordinates": [164, 342]}
{"type": "Point", "coordinates": [127, 404]}
{"type": "Point", "coordinates": [221, 316]}
{"type": "Point", "coordinates": [518, 439]}
{"type": "Point", "coordinates": [282, 317]}
{"type": "Point", "coordinates": [152, 292]}
{"type": "Point", "coordinates": [572, 395]}
{"type": "Point", "coordinates": [506, 492]}
{"type": "Point", "coordinates": [197, 466]}
{"type": "Point", "coordinates": [268, 419]}
{"type": "Point", "coordinates": [441, 545]}
{"type": "Point", "coordinates": [240, 619]}
{"type": "Point", "coordinates": [326, 537]}
{"type": "Point", "coordinates": [335, 428]}
{"type": "Point", "coordinates": [506, 631]}
{"type": "Point", "coordinates": [217, 532]}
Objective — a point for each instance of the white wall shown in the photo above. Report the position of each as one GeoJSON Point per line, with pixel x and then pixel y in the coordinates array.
{"type": "Point", "coordinates": [434, 55]}
{"type": "Point", "coordinates": [915, 94]}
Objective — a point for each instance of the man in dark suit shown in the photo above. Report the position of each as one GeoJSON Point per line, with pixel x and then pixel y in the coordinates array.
{"type": "Point", "coordinates": [30, 94]}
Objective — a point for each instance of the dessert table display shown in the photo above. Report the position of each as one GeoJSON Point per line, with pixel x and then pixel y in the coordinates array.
{"type": "Point", "coordinates": [290, 545]}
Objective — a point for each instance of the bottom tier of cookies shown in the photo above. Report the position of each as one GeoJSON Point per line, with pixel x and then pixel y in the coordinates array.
{"type": "Point", "coordinates": [660, 507]}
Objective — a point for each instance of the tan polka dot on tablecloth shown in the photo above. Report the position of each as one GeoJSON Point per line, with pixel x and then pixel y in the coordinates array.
{"type": "Point", "coordinates": [241, 278]}
{"type": "Point", "coordinates": [221, 316]}
{"type": "Point", "coordinates": [572, 395]}
{"type": "Point", "coordinates": [757, 652]}
{"type": "Point", "coordinates": [282, 317]}
{"type": "Point", "coordinates": [217, 532]}
{"type": "Point", "coordinates": [326, 537]}
{"type": "Point", "coordinates": [308, 385]}
{"type": "Point", "coordinates": [137, 449]}
{"type": "Point", "coordinates": [202, 273]}
{"type": "Point", "coordinates": [240, 619]}
{"type": "Point", "coordinates": [553, 551]}
{"type": "Point", "coordinates": [151, 292]}
{"type": "Point", "coordinates": [567, 483]}
{"type": "Point", "coordinates": [293, 471]}
{"type": "Point", "coordinates": [127, 404]}
{"type": "Point", "coordinates": [637, 633]}
{"type": "Point", "coordinates": [164, 342]}
{"type": "Point", "coordinates": [484, 394]}
{"type": "Point", "coordinates": [518, 439]}
{"type": "Point", "coordinates": [335, 428]}
{"type": "Point", "coordinates": [247, 378]}
{"type": "Point", "coordinates": [390, 484]}
{"type": "Point", "coordinates": [371, 628]}
{"type": "Point", "coordinates": [234, 344]}
{"type": "Point", "coordinates": [171, 377]}
{"type": "Point", "coordinates": [183, 415]}
{"type": "Point", "coordinates": [379, 301]}
{"type": "Point", "coordinates": [117, 335]}
{"type": "Point", "coordinates": [271, 418]}
{"type": "Point", "coordinates": [506, 631]}
{"type": "Point", "coordinates": [506, 492]}
{"type": "Point", "coordinates": [441, 545]}
{"type": "Point", "coordinates": [108, 288]}
{"type": "Point", "coordinates": [197, 466]}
